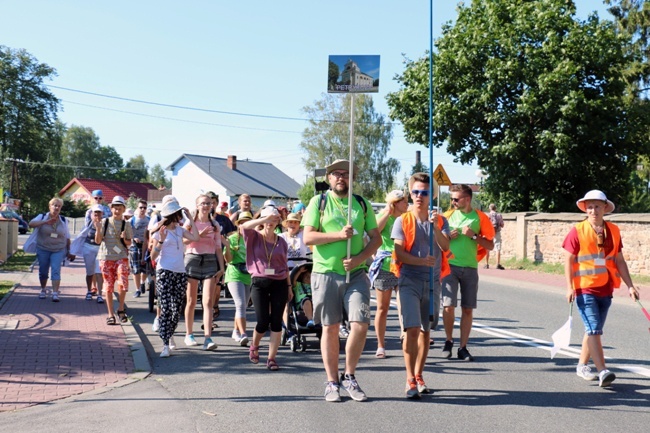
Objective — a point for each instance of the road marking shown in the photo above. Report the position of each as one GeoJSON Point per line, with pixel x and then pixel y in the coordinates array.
{"type": "Point", "coordinates": [537, 343]}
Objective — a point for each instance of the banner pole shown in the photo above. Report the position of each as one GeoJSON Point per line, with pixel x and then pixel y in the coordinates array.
{"type": "Point", "coordinates": [347, 274]}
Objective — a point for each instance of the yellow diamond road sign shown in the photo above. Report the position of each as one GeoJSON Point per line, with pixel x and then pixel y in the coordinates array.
{"type": "Point", "coordinates": [440, 176]}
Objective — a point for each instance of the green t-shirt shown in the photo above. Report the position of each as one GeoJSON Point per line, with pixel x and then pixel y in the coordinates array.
{"type": "Point", "coordinates": [387, 243]}
{"type": "Point", "coordinates": [329, 257]}
{"type": "Point", "coordinates": [463, 247]}
{"type": "Point", "coordinates": [238, 251]}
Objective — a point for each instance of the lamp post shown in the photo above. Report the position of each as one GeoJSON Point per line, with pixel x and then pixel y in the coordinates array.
{"type": "Point", "coordinates": [481, 175]}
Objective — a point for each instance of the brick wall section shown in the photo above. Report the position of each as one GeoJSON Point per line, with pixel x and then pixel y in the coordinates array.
{"type": "Point", "coordinates": [539, 236]}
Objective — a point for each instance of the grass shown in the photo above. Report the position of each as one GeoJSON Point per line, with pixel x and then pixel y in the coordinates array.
{"type": "Point", "coordinates": [556, 268]}
{"type": "Point", "coordinates": [19, 262]}
{"type": "Point", "coordinates": [5, 286]}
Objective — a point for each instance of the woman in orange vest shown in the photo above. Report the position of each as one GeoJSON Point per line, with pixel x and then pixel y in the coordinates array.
{"type": "Point", "coordinates": [593, 268]}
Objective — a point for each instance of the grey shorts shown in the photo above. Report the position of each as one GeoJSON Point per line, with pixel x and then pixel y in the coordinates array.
{"type": "Point", "coordinates": [497, 241]}
{"type": "Point", "coordinates": [331, 295]}
{"type": "Point", "coordinates": [467, 279]}
{"type": "Point", "coordinates": [385, 280]}
{"type": "Point", "coordinates": [414, 302]}
{"type": "Point", "coordinates": [201, 266]}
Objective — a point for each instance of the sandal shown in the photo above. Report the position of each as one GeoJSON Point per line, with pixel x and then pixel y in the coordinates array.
{"type": "Point", "coordinates": [216, 312]}
{"type": "Point", "coordinates": [253, 354]}
{"type": "Point", "coordinates": [381, 353]}
{"type": "Point", "coordinates": [111, 320]}
{"type": "Point", "coordinates": [122, 316]}
{"type": "Point", "coordinates": [272, 365]}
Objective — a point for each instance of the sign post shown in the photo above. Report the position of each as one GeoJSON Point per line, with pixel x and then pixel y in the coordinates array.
{"type": "Point", "coordinates": [352, 74]}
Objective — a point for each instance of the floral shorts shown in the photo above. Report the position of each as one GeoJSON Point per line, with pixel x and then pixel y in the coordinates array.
{"type": "Point", "coordinates": [111, 271]}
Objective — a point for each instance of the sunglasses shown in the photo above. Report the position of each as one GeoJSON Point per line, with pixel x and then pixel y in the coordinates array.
{"type": "Point", "coordinates": [420, 192]}
{"type": "Point", "coordinates": [99, 198]}
{"type": "Point", "coordinates": [142, 207]}
{"type": "Point", "coordinates": [456, 200]}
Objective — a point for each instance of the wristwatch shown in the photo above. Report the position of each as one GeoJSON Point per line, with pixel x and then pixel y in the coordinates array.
{"type": "Point", "coordinates": [475, 237]}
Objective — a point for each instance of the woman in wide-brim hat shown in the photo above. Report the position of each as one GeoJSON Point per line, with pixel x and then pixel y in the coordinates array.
{"type": "Point", "coordinates": [238, 278]}
{"type": "Point", "coordinates": [594, 267]}
{"type": "Point", "coordinates": [171, 279]}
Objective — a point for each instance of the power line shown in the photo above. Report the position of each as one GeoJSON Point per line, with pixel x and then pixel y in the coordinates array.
{"type": "Point", "coordinates": [20, 161]}
{"type": "Point", "coordinates": [207, 110]}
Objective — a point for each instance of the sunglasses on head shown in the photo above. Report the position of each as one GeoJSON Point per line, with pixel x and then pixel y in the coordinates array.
{"type": "Point", "coordinates": [420, 192]}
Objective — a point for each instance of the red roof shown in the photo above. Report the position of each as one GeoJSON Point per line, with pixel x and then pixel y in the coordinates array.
{"type": "Point", "coordinates": [110, 188]}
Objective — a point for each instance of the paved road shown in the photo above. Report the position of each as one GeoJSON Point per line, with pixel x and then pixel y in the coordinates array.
{"type": "Point", "coordinates": [513, 385]}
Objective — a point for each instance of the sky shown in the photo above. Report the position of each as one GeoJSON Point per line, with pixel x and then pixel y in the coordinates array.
{"type": "Point", "coordinates": [238, 73]}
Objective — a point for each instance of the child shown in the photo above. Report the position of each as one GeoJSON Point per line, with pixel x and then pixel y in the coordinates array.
{"type": "Point", "coordinates": [301, 285]}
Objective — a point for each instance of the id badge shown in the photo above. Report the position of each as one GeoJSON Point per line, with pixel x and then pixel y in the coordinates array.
{"type": "Point", "coordinates": [269, 271]}
{"type": "Point", "coordinates": [117, 249]}
{"type": "Point", "coordinates": [54, 235]}
{"type": "Point", "coordinates": [599, 262]}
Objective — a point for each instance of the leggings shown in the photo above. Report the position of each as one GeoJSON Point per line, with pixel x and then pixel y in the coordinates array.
{"type": "Point", "coordinates": [240, 294]}
{"type": "Point", "coordinates": [170, 287]}
{"type": "Point", "coordinates": [269, 293]}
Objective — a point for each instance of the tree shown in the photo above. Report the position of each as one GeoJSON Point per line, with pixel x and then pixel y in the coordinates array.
{"type": "Point", "coordinates": [157, 177]}
{"type": "Point", "coordinates": [82, 149]}
{"type": "Point", "coordinates": [332, 75]}
{"type": "Point", "coordinates": [327, 138]}
{"type": "Point", "coordinates": [532, 95]}
{"type": "Point", "coordinates": [135, 170]}
{"type": "Point", "coordinates": [28, 128]}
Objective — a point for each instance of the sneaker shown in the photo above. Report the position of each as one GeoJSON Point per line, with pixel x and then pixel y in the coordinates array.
{"type": "Point", "coordinates": [605, 378]}
{"type": "Point", "coordinates": [165, 352]}
{"type": "Point", "coordinates": [156, 325]}
{"type": "Point", "coordinates": [208, 344]}
{"type": "Point", "coordinates": [89, 296]}
{"type": "Point", "coordinates": [463, 354]}
{"type": "Point", "coordinates": [190, 341]}
{"type": "Point", "coordinates": [349, 383]}
{"type": "Point", "coordinates": [100, 300]}
{"type": "Point", "coordinates": [243, 341]}
{"type": "Point", "coordinates": [500, 267]}
{"type": "Point", "coordinates": [143, 289]}
{"type": "Point", "coordinates": [332, 393]}
{"type": "Point", "coordinates": [412, 389]}
{"type": "Point", "coordinates": [172, 343]}
{"type": "Point", "coordinates": [343, 332]}
{"type": "Point", "coordinates": [137, 294]}
{"type": "Point", "coordinates": [584, 371]}
{"type": "Point", "coordinates": [446, 351]}
{"type": "Point", "coordinates": [42, 295]}
{"type": "Point", "coordinates": [310, 324]}
{"type": "Point", "coordinates": [236, 335]}
{"type": "Point", "coordinates": [55, 297]}
{"type": "Point", "coordinates": [422, 387]}
{"type": "Point", "coordinates": [486, 267]}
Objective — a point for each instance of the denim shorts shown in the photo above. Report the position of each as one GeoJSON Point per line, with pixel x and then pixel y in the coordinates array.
{"type": "Point", "coordinates": [593, 310]}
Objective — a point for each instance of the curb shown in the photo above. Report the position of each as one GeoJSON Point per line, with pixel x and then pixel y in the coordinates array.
{"type": "Point", "coordinates": [8, 295]}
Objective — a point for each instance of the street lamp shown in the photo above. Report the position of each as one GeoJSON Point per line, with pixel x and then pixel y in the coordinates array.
{"type": "Point", "coordinates": [481, 175]}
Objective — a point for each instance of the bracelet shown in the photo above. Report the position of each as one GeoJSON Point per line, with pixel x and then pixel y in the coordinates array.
{"type": "Point", "coordinates": [160, 242]}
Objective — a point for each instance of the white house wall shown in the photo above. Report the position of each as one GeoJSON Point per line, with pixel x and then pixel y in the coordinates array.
{"type": "Point", "coordinates": [188, 182]}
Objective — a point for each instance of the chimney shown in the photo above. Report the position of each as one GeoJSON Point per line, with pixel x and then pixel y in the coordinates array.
{"type": "Point", "coordinates": [417, 158]}
{"type": "Point", "coordinates": [232, 162]}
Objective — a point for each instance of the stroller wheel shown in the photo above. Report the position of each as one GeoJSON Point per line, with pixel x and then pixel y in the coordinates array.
{"type": "Point", "coordinates": [294, 343]}
{"type": "Point", "coordinates": [283, 337]}
{"type": "Point", "coordinates": [303, 345]}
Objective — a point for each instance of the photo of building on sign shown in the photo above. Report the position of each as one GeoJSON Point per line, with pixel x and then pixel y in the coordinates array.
{"type": "Point", "coordinates": [353, 74]}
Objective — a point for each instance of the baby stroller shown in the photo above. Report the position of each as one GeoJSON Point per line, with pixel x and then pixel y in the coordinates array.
{"type": "Point", "coordinates": [295, 330]}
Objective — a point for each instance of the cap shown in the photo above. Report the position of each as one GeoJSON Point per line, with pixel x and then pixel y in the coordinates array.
{"type": "Point", "coordinates": [394, 196]}
{"type": "Point", "coordinates": [118, 200]}
{"type": "Point", "coordinates": [129, 212]}
{"type": "Point", "coordinates": [268, 211]}
{"type": "Point", "coordinates": [269, 203]}
{"type": "Point", "coordinates": [223, 204]}
{"type": "Point", "coordinates": [595, 194]}
{"type": "Point", "coordinates": [97, 208]}
{"type": "Point", "coordinates": [97, 193]}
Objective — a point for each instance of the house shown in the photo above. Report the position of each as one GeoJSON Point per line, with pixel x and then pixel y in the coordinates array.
{"type": "Point", "coordinates": [81, 189]}
{"type": "Point", "coordinates": [228, 177]}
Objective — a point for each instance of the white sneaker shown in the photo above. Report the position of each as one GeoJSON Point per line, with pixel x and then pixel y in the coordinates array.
{"type": "Point", "coordinates": [172, 343]}
{"type": "Point", "coordinates": [605, 378]}
{"type": "Point", "coordinates": [243, 341]}
{"type": "Point", "coordinates": [343, 332]}
{"type": "Point", "coordinates": [584, 371]}
{"type": "Point", "coordinates": [236, 335]}
{"type": "Point", "coordinates": [190, 341]}
{"type": "Point", "coordinates": [156, 325]}
{"type": "Point", "coordinates": [165, 352]}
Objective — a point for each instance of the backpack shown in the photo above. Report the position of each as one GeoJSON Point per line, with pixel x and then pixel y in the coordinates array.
{"type": "Point", "coordinates": [121, 230]}
{"type": "Point", "coordinates": [496, 221]}
{"type": "Point", "coordinates": [323, 202]}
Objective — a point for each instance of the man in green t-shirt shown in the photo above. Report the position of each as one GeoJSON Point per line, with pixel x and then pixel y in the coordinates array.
{"type": "Point", "coordinates": [328, 234]}
{"type": "Point", "coordinates": [469, 230]}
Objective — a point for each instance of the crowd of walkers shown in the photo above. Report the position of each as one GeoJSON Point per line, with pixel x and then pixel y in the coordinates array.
{"type": "Point", "coordinates": [429, 260]}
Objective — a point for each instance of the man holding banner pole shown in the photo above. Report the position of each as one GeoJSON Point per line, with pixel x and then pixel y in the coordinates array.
{"type": "Point", "coordinates": [327, 229]}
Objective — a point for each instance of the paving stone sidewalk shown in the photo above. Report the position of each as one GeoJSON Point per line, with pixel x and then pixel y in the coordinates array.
{"type": "Point", "coordinates": [51, 351]}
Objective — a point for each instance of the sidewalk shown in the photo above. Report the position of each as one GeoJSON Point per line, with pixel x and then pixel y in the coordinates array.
{"type": "Point", "coordinates": [51, 351]}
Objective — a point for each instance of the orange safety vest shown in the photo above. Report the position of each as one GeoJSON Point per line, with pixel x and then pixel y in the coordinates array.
{"type": "Point", "coordinates": [585, 273]}
{"type": "Point", "coordinates": [408, 227]}
{"type": "Point", "coordinates": [486, 229]}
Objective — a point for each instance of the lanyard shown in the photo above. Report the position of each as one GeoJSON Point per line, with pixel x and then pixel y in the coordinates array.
{"type": "Point", "coordinates": [269, 254]}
